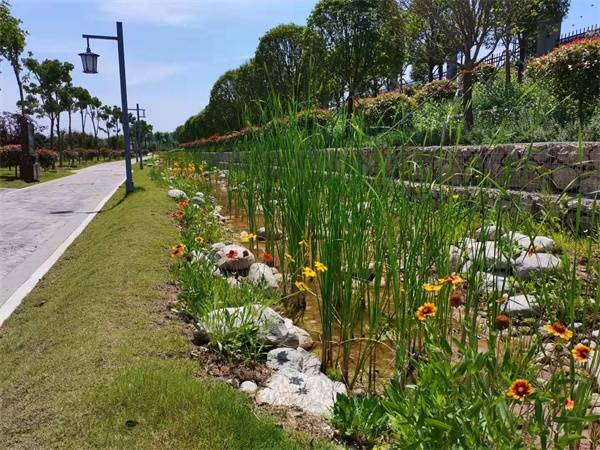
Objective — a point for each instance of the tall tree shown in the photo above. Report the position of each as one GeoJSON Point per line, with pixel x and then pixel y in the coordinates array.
{"type": "Point", "coordinates": [350, 30]}
{"type": "Point", "coordinates": [50, 79]}
{"type": "Point", "coordinates": [82, 99]}
{"type": "Point", "coordinates": [471, 26]}
{"type": "Point", "coordinates": [12, 45]}
{"type": "Point", "coordinates": [93, 110]}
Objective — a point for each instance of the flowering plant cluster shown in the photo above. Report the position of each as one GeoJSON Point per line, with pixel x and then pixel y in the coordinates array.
{"type": "Point", "coordinates": [437, 91]}
{"type": "Point", "coordinates": [220, 139]}
{"type": "Point", "coordinates": [385, 109]}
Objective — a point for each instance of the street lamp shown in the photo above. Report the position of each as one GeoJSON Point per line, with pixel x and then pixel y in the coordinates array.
{"type": "Point", "coordinates": [138, 139]}
{"type": "Point", "coordinates": [89, 61]}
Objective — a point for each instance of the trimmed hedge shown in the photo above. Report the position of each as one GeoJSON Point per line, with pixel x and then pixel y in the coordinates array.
{"type": "Point", "coordinates": [437, 91]}
{"type": "Point", "coordinates": [386, 109]}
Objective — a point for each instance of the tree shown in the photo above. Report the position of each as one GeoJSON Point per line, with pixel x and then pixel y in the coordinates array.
{"type": "Point", "coordinates": [94, 110]}
{"type": "Point", "coordinates": [350, 30]}
{"type": "Point", "coordinates": [82, 100]}
{"type": "Point", "coordinates": [51, 78]}
{"type": "Point", "coordinates": [12, 45]}
{"type": "Point", "coordinates": [471, 26]}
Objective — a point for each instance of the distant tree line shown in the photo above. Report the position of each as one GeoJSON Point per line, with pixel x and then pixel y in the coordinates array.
{"type": "Point", "coordinates": [358, 48]}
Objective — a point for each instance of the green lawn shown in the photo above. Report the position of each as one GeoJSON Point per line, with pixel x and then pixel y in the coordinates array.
{"type": "Point", "coordinates": [8, 179]}
{"type": "Point", "coordinates": [93, 359]}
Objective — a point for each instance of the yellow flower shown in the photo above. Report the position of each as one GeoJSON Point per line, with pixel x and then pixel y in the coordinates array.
{"type": "Point", "coordinates": [178, 250]}
{"type": "Point", "coordinates": [191, 167]}
{"type": "Point", "coordinates": [289, 257]}
{"type": "Point", "coordinates": [302, 287]}
{"type": "Point", "coordinates": [309, 273]}
{"type": "Point", "coordinates": [247, 237]}
{"type": "Point", "coordinates": [199, 240]}
{"type": "Point", "coordinates": [559, 330]}
{"type": "Point", "coordinates": [455, 196]}
{"type": "Point", "coordinates": [303, 243]}
{"type": "Point", "coordinates": [320, 267]}
{"type": "Point", "coordinates": [456, 280]}
{"type": "Point", "coordinates": [426, 310]}
{"type": "Point", "coordinates": [432, 287]}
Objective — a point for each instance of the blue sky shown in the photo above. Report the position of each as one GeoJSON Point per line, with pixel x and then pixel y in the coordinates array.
{"type": "Point", "coordinates": [175, 49]}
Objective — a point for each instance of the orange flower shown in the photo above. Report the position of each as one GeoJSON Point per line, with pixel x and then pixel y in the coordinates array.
{"type": "Point", "coordinates": [426, 310]}
{"type": "Point", "coordinates": [559, 330]}
{"type": "Point", "coordinates": [456, 280]}
{"type": "Point", "coordinates": [569, 404]}
{"type": "Point", "coordinates": [178, 250]}
{"type": "Point", "coordinates": [502, 322]}
{"type": "Point", "coordinates": [179, 214]}
{"type": "Point", "coordinates": [183, 203]}
{"type": "Point", "coordinates": [199, 240]}
{"type": "Point", "coordinates": [268, 258]}
{"type": "Point", "coordinates": [520, 389]}
{"type": "Point", "coordinates": [582, 353]}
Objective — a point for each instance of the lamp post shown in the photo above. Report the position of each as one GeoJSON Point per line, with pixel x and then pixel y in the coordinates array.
{"type": "Point", "coordinates": [90, 65]}
{"type": "Point", "coordinates": [137, 131]}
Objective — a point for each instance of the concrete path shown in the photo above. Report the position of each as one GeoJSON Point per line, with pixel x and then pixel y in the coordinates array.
{"type": "Point", "coordinates": [39, 222]}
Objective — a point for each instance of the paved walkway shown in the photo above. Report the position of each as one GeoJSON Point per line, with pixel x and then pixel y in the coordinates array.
{"type": "Point", "coordinates": [39, 222]}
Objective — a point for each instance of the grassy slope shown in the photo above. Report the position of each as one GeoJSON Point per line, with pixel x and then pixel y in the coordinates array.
{"type": "Point", "coordinates": [92, 348]}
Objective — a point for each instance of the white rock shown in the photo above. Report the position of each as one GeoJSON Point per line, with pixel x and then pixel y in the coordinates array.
{"type": "Point", "coordinates": [527, 264]}
{"type": "Point", "coordinates": [294, 359]}
{"type": "Point", "coordinates": [541, 243]}
{"type": "Point", "coordinates": [520, 305]}
{"type": "Point", "coordinates": [233, 258]}
{"type": "Point", "coordinates": [261, 273]}
{"type": "Point", "coordinates": [233, 282]}
{"type": "Point", "coordinates": [304, 339]}
{"type": "Point", "coordinates": [492, 255]}
{"type": "Point", "coordinates": [314, 394]}
{"type": "Point", "coordinates": [249, 387]}
{"type": "Point", "coordinates": [177, 194]}
{"type": "Point", "coordinates": [486, 233]}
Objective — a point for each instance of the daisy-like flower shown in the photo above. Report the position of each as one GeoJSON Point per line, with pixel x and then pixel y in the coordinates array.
{"type": "Point", "coordinates": [289, 257]}
{"type": "Point", "coordinates": [426, 310]}
{"type": "Point", "coordinates": [308, 272]}
{"type": "Point", "coordinates": [320, 267]}
{"type": "Point", "coordinates": [179, 214]}
{"type": "Point", "coordinates": [455, 280]}
{"type": "Point", "coordinates": [232, 254]}
{"type": "Point", "coordinates": [520, 390]}
{"type": "Point", "coordinates": [183, 203]}
{"type": "Point", "coordinates": [569, 404]}
{"type": "Point", "coordinates": [178, 250]}
{"type": "Point", "coordinates": [191, 167]}
{"type": "Point", "coordinates": [199, 240]}
{"type": "Point", "coordinates": [303, 243]}
{"type": "Point", "coordinates": [433, 287]}
{"type": "Point", "coordinates": [582, 353]}
{"type": "Point", "coordinates": [559, 330]}
{"type": "Point", "coordinates": [302, 287]}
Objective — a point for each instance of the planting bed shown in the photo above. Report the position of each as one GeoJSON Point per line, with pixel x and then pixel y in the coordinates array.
{"type": "Point", "coordinates": [426, 311]}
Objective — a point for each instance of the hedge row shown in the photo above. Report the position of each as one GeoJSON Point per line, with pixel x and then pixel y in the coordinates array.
{"type": "Point", "coordinates": [10, 155]}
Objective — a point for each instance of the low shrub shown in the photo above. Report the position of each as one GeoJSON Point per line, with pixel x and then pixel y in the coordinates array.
{"type": "Point", "coordinates": [437, 91]}
{"type": "Point", "coordinates": [10, 155]}
{"type": "Point", "coordinates": [385, 110]}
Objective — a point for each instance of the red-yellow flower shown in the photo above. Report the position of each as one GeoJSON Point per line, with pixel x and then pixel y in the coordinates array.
{"type": "Point", "coordinates": [426, 310]}
{"type": "Point", "coordinates": [559, 330]}
{"type": "Point", "coordinates": [178, 250]}
{"type": "Point", "coordinates": [302, 287]}
{"type": "Point", "coordinates": [569, 404]}
{"type": "Point", "coordinates": [432, 287]}
{"type": "Point", "coordinates": [199, 240]}
{"type": "Point", "coordinates": [179, 214]}
{"type": "Point", "coordinates": [520, 389]}
{"type": "Point", "coordinates": [183, 203]}
{"type": "Point", "coordinates": [581, 353]}
{"type": "Point", "coordinates": [455, 280]}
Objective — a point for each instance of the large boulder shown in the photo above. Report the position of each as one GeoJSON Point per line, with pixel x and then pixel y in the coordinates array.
{"type": "Point", "coordinates": [261, 273]}
{"type": "Point", "coordinates": [529, 264]}
{"type": "Point", "coordinates": [177, 194]}
{"type": "Point", "coordinates": [303, 337]}
{"type": "Point", "coordinates": [232, 257]}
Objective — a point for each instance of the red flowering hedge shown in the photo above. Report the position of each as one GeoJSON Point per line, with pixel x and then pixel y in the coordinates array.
{"type": "Point", "coordinates": [437, 91]}
{"type": "Point", "coordinates": [10, 155]}
{"type": "Point", "coordinates": [46, 157]}
{"type": "Point", "coordinates": [572, 70]}
{"type": "Point", "coordinates": [385, 109]}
